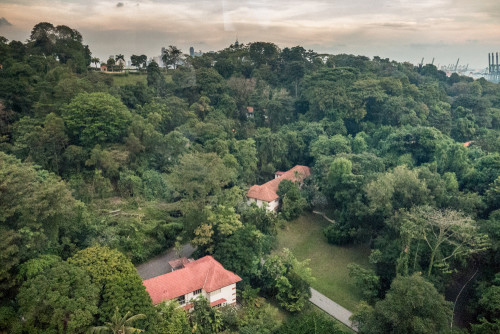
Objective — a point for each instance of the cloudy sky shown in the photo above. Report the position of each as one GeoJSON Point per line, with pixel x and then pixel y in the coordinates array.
{"type": "Point", "coordinates": [404, 30]}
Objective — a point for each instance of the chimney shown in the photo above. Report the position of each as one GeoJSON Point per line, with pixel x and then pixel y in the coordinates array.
{"type": "Point", "coordinates": [497, 68]}
{"type": "Point", "coordinates": [489, 62]}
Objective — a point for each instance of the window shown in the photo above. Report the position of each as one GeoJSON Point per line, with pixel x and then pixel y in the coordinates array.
{"type": "Point", "coordinates": [196, 292]}
{"type": "Point", "coordinates": [220, 305]}
{"type": "Point", "coordinates": [181, 300]}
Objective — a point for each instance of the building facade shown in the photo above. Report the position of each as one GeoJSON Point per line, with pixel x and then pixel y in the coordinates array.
{"type": "Point", "coordinates": [204, 277]}
{"type": "Point", "coordinates": [266, 194]}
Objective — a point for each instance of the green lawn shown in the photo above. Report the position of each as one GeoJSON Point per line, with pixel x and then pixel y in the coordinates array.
{"type": "Point", "coordinates": [131, 79]}
{"type": "Point", "coordinates": [304, 237]}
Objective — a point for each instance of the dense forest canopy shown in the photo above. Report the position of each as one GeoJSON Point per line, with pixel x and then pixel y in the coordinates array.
{"type": "Point", "coordinates": [99, 171]}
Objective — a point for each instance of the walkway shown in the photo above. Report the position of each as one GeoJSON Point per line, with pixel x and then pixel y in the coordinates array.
{"type": "Point", "coordinates": [332, 308]}
{"type": "Point", "coordinates": [159, 265]}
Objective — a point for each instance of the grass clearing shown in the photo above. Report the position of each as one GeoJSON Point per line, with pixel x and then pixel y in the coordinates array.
{"type": "Point", "coordinates": [120, 80]}
{"type": "Point", "coordinates": [304, 237]}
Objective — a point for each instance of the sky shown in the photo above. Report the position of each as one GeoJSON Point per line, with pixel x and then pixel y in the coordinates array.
{"type": "Point", "coordinates": [402, 30]}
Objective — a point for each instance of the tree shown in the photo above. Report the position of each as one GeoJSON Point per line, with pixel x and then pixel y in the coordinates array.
{"type": "Point", "coordinates": [138, 61]}
{"type": "Point", "coordinates": [119, 324]}
{"type": "Point", "coordinates": [172, 319]}
{"type": "Point", "coordinates": [95, 61]}
{"type": "Point", "coordinates": [103, 264]}
{"type": "Point", "coordinates": [201, 175]}
{"type": "Point", "coordinates": [292, 202]}
{"type": "Point", "coordinates": [288, 279]}
{"type": "Point", "coordinates": [155, 79]}
{"type": "Point", "coordinates": [171, 56]}
{"type": "Point", "coordinates": [37, 214]}
{"type": "Point", "coordinates": [241, 252]}
{"type": "Point", "coordinates": [205, 319]}
{"type": "Point", "coordinates": [412, 305]}
{"type": "Point", "coordinates": [221, 222]}
{"type": "Point", "coordinates": [311, 322]}
{"type": "Point", "coordinates": [96, 118]}
{"type": "Point", "coordinates": [61, 299]}
{"type": "Point", "coordinates": [365, 280]}
{"type": "Point", "coordinates": [447, 233]}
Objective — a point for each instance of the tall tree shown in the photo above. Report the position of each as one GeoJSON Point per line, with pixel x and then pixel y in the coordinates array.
{"type": "Point", "coordinates": [61, 299]}
{"type": "Point", "coordinates": [171, 56]}
{"type": "Point", "coordinates": [412, 305]}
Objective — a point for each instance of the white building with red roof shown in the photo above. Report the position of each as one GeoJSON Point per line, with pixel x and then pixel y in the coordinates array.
{"type": "Point", "coordinates": [205, 277]}
{"type": "Point", "coordinates": [267, 193]}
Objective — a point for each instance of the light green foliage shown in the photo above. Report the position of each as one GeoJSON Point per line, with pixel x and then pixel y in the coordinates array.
{"type": "Point", "coordinates": [400, 188]}
{"type": "Point", "coordinates": [448, 234]}
{"type": "Point", "coordinates": [103, 264]}
{"type": "Point", "coordinates": [61, 299]}
{"type": "Point", "coordinates": [205, 319]}
{"type": "Point", "coordinates": [288, 279]}
{"type": "Point", "coordinates": [119, 324]}
{"type": "Point", "coordinates": [221, 222]}
{"type": "Point", "coordinates": [96, 118]}
{"type": "Point", "coordinates": [34, 267]}
{"type": "Point", "coordinates": [172, 318]}
{"type": "Point", "coordinates": [412, 305]}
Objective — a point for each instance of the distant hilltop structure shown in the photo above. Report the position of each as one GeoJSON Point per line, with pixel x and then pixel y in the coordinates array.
{"type": "Point", "coordinates": [493, 67]}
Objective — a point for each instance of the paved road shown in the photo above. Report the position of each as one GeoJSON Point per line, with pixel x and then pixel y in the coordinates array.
{"type": "Point", "coordinates": [332, 308]}
{"type": "Point", "coordinates": [159, 265]}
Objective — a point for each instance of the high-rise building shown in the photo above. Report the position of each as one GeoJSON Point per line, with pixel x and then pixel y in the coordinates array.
{"type": "Point", "coordinates": [191, 51]}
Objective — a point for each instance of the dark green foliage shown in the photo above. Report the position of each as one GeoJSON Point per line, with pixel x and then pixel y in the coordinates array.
{"type": "Point", "coordinates": [61, 299]}
{"type": "Point", "coordinates": [284, 277]}
{"type": "Point", "coordinates": [412, 305]}
{"type": "Point", "coordinates": [337, 235]}
{"type": "Point", "coordinates": [311, 322]}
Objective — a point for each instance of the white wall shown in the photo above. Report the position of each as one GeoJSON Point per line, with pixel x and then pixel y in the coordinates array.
{"type": "Point", "coordinates": [227, 292]}
{"type": "Point", "coordinates": [270, 206]}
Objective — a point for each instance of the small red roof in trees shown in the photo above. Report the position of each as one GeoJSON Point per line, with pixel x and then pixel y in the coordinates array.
{"type": "Point", "coordinates": [268, 191]}
{"type": "Point", "coordinates": [250, 109]}
{"type": "Point", "coordinates": [179, 263]}
{"type": "Point", "coordinates": [205, 273]}
{"type": "Point", "coordinates": [467, 144]}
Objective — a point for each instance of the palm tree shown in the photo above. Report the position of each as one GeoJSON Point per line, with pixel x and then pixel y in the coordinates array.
{"type": "Point", "coordinates": [119, 325]}
{"type": "Point", "coordinates": [95, 61]}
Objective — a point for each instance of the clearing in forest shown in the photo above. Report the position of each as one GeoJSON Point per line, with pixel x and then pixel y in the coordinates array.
{"type": "Point", "coordinates": [304, 237]}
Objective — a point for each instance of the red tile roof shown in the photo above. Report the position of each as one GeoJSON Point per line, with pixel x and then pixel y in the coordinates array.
{"type": "Point", "coordinates": [467, 144]}
{"type": "Point", "coordinates": [250, 109]}
{"type": "Point", "coordinates": [267, 191]}
{"type": "Point", "coordinates": [205, 273]}
{"type": "Point", "coordinates": [217, 302]}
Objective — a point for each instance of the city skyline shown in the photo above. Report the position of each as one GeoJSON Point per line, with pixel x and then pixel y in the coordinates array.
{"type": "Point", "coordinates": [404, 30]}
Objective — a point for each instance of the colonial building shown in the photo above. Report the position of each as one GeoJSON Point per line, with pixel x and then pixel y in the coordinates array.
{"type": "Point", "coordinates": [204, 277]}
{"type": "Point", "coordinates": [267, 193]}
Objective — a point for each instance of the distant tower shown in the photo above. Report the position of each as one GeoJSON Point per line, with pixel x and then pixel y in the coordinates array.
{"type": "Point", "coordinates": [163, 51]}
{"type": "Point", "coordinates": [236, 44]}
{"type": "Point", "coordinates": [191, 51]}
